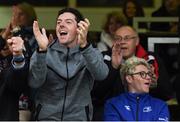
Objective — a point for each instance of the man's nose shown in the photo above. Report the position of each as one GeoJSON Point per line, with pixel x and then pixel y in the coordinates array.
{"type": "Point", "coordinates": [148, 77]}
{"type": "Point", "coordinates": [123, 40]}
{"type": "Point", "coordinates": [61, 24]}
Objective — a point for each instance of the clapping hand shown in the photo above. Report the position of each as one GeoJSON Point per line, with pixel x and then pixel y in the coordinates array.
{"type": "Point", "coordinates": [41, 38]}
{"type": "Point", "coordinates": [116, 55]}
{"type": "Point", "coordinates": [82, 30]}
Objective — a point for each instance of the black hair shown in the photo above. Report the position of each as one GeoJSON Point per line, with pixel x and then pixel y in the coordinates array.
{"type": "Point", "coordinates": [74, 11]}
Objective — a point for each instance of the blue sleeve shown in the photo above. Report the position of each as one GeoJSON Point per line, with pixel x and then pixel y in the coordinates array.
{"type": "Point", "coordinates": [164, 113]}
{"type": "Point", "coordinates": [110, 112]}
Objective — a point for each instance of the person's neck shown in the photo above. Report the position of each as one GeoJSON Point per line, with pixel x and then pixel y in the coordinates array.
{"type": "Point", "coordinates": [70, 45]}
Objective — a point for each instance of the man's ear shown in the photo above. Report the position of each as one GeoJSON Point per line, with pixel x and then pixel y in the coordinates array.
{"type": "Point", "coordinates": [129, 78]}
{"type": "Point", "coordinates": [137, 41]}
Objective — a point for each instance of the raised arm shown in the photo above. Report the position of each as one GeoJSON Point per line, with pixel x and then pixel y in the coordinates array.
{"type": "Point", "coordinates": [38, 68]}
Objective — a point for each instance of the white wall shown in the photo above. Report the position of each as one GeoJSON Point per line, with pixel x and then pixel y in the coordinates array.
{"type": "Point", "coordinates": [47, 15]}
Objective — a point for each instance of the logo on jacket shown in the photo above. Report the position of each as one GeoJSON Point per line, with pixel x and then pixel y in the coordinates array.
{"type": "Point", "coordinates": [127, 107]}
{"type": "Point", "coordinates": [147, 109]}
{"type": "Point", "coordinates": [163, 119]}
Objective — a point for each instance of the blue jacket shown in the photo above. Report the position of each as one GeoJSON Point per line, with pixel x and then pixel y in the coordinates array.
{"type": "Point", "coordinates": [136, 107]}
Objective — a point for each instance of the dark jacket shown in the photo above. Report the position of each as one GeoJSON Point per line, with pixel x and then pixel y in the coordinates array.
{"type": "Point", "coordinates": [12, 84]}
{"type": "Point", "coordinates": [135, 107]}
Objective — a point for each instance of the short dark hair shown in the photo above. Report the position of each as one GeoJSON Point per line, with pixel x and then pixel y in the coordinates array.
{"type": "Point", "coordinates": [74, 11]}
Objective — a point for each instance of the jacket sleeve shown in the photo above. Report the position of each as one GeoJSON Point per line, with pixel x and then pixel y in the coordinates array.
{"type": "Point", "coordinates": [110, 112]}
{"type": "Point", "coordinates": [37, 70]}
{"type": "Point", "coordinates": [95, 63]}
{"type": "Point", "coordinates": [163, 113]}
{"type": "Point", "coordinates": [16, 79]}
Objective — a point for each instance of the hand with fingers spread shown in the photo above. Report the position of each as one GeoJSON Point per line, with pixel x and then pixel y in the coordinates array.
{"type": "Point", "coordinates": [41, 38]}
{"type": "Point", "coordinates": [82, 32]}
{"type": "Point", "coordinates": [16, 45]}
{"type": "Point", "coordinates": [116, 55]}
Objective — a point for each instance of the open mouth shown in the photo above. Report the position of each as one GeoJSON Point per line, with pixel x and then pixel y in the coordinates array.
{"type": "Point", "coordinates": [123, 48]}
{"type": "Point", "coordinates": [63, 33]}
{"type": "Point", "coordinates": [147, 84]}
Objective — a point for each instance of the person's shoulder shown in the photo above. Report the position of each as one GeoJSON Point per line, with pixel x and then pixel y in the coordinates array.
{"type": "Point", "coordinates": [117, 99]}
{"type": "Point", "coordinates": [153, 56]}
{"type": "Point", "coordinates": [157, 101]}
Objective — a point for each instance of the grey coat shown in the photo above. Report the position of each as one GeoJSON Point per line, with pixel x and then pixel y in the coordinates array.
{"type": "Point", "coordinates": [64, 78]}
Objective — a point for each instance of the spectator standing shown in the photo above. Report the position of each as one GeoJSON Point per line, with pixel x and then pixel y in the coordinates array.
{"type": "Point", "coordinates": [13, 78]}
{"type": "Point", "coordinates": [64, 71]}
{"type": "Point", "coordinates": [20, 25]}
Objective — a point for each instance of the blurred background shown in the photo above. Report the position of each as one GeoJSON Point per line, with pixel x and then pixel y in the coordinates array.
{"type": "Point", "coordinates": [95, 10]}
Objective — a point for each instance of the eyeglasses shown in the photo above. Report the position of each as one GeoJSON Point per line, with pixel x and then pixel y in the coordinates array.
{"type": "Point", "coordinates": [126, 38]}
{"type": "Point", "coordinates": [143, 74]}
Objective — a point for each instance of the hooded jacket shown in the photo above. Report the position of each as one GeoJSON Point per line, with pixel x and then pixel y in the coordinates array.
{"type": "Point", "coordinates": [64, 78]}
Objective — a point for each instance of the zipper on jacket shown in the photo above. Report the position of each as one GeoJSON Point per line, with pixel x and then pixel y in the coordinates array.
{"type": "Point", "coordinates": [66, 86]}
{"type": "Point", "coordinates": [137, 109]}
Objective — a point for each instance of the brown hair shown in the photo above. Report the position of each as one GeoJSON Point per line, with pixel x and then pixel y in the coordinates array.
{"type": "Point", "coordinates": [29, 11]}
{"type": "Point", "coordinates": [118, 16]}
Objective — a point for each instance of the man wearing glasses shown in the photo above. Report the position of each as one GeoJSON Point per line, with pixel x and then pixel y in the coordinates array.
{"type": "Point", "coordinates": [136, 104]}
{"type": "Point", "coordinates": [127, 44]}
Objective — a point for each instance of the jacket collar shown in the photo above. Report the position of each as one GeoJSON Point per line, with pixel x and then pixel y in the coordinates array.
{"type": "Point", "coordinates": [135, 96]}
{"type": "Point", "coordinates": [55, 45]}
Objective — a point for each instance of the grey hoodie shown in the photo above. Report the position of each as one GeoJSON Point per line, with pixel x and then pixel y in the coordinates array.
{"type": "Point", "coordinates": [64, 78]}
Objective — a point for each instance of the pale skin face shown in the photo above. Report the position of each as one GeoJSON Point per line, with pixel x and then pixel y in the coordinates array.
{"type": "Point", "coordinates": [66, 29]}
{"type": "Point", "coordinates": [128, 46]}
{"type": "Point", "coordinates": [124, 45]}
{"type": "Point", "coordinates": [69, 32]}
{"type": "Point", "coordinates": [137, 84]}
{"type": "Point", "coordinates": [113, 25]}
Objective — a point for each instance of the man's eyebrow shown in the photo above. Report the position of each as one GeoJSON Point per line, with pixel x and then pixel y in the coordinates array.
{"type": "Point", "coordinates": [65, 19]}
{"type": "Point", "coordinates": [69, 19]}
